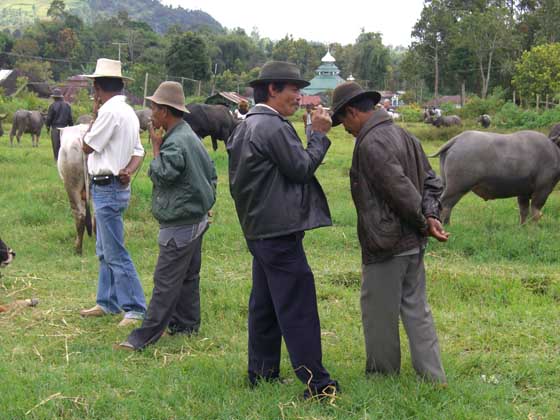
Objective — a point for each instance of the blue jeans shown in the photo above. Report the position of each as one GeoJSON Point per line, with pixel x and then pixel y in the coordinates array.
{"type": "Point", "coordinates": [119, 287]}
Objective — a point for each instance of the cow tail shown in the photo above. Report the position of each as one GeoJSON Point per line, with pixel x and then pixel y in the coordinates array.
{"type": "Point", "coordinates": [442, 168]}
{"type": "Point", "coordinates": [89, 225]}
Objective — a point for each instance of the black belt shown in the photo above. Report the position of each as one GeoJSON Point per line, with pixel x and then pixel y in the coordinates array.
{"type": "Point", "coordinates": [103, 179]}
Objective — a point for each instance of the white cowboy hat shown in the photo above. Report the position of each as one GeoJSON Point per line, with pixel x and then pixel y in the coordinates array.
{"type": "Point", "coordinates": [107, 68]}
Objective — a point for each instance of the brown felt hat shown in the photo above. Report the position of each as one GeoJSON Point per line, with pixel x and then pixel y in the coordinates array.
{"type": "Point", "coordinates": [170, 94]}
{"type": "Point", "coordinates": [347, 92]}
{"type": "Point", "coordinates": [279, 71]}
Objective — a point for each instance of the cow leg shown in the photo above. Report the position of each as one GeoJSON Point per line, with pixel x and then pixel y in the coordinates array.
{"type": "Point", "coordinates": [538, 201]}
{"type": "Point", "coordinates": [523, 203]}
{"type": "Point", "coordinates": [214, 144]}
{"type": "Point", "coordinates": [448, 201]}
{"type": "Point", "coordinates": [79, 213]}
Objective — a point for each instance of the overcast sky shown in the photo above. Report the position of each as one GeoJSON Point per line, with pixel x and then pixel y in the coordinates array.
{"type": "Point", "coordinates": [313, 20]}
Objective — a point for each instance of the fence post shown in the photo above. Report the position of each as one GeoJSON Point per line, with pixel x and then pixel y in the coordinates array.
{"type": "Point", "coordinates": [538, 100]}
{"type": "Point", "coordinates": [145, 91]}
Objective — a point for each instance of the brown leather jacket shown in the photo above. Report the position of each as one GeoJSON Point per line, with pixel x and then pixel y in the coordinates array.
{"type": "Point", "coordinates": [394, 189]}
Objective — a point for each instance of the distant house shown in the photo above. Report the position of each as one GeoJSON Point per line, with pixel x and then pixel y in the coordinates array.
{"type": "Point", "coordinates": [8, 81]}
{"type": "Point", "coordinates": [229, 99]}
{"type": "Point", "coordinates": [313, 100]}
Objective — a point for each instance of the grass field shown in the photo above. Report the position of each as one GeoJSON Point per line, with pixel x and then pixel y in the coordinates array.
{"type": "Point", "coordinates": [494, 290]}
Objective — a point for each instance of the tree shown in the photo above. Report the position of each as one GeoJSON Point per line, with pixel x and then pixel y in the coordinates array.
{"type": "Point", "coordinates": [57, 10]}
{"type": "Point", "coordinates": [538, 71]}
{"type": "Point", "coordinates": [371, 59]}
{"type": "Point", "coordinates": [187, 56]}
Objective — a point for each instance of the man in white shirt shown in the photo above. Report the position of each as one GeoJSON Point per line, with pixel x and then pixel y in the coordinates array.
{"type": "Point", "coordinates": [114, 154]}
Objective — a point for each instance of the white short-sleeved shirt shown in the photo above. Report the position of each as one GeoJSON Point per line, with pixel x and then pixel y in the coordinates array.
{"type": "Point", "coordinates": [114, 137]}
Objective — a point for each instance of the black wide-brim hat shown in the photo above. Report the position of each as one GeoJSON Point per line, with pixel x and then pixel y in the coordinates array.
{"type": "Point", "coordinates": [348, 92]}
{"type": "Point", "coordinates": [279, 71]}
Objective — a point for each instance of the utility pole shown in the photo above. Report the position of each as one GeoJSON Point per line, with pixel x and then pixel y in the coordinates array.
{"type": "Point", "coordinates": [119, 44]}
{"type": "Point", "coordinates": [145, 91]}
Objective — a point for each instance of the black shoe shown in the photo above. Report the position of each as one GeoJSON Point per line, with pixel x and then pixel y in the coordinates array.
{"type": "Point", "coordinates": [328, 393]}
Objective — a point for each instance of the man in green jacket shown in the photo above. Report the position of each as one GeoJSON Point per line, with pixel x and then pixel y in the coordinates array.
{"type": "Point", "coordinates": [184, 180]}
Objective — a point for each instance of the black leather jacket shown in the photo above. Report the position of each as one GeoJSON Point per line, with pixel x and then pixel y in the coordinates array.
{"type": "Point", "coordinates": [59, 115]}
{"type": "Point", "coordinates": [394, 189]}
{"type": "Point", "coordinates": [272, 177]}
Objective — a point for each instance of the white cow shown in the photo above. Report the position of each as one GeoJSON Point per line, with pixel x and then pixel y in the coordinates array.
{"type": "Point", "coordinates": [72, 170]}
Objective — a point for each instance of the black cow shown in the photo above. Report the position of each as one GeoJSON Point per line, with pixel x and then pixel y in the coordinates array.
{"type": "Point", "coordinates": [6, 254]}
{"type": "Point", "coordinates": [211, 120]}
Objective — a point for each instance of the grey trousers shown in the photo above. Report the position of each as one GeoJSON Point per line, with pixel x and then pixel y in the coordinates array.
{"type": "Point", "coordinates": [389, 289]}
{"type": "Point", "coordinates": [55, 141]}
{"type": "Point", "coordinates": [175, 300]}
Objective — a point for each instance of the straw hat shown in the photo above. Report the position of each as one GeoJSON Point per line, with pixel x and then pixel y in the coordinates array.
{"type": "Point", "coordinates": [108, 68]}
{"type": "Point", "coordinates": [347, 92]}
{"type": "Point", "coordinates": [170, 94]}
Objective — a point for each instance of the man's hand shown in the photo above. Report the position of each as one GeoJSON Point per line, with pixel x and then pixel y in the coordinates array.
{"type": "Point", "coordinates": [436, 230]}
{"type": "Point", "coordinates": [321, 120]}
{"type": "Point", "coordinates": [156, 138]}
{"type": "Point", "coordinates": [125, 175]}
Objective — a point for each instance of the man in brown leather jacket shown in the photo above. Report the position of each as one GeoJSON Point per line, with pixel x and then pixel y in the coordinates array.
{"type": "Point", "coordinates": [396, 194]}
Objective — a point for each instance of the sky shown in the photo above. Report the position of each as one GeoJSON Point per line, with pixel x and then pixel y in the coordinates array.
{"type": "Point", "coordinates": [315, 20]}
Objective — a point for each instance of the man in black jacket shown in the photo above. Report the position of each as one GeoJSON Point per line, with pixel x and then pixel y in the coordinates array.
{"type": "Point", "coordinates": [58, 116]}
{"type": "Point", "coordinates": [396, 194]}
{"type": "Point", "coordinates": [278, 198]}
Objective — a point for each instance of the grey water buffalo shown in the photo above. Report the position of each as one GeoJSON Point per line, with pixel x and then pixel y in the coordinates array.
{"type": "Point", "coordinates": [27, 122]}
{"type": "Point", "coordinates": [71, 170]}
{"type": "Point", "coordinates": [2, 117]}
{"type": "Point", "coordinates": [84, 119]}
{"type": "Point", "coordinates": [484, 120]}
{"type": "Point", "coordinates": [525, 164]}
{"type": "Point", "coordinates": [210, 120]}
{"type": "Point", "coordinates": [554, 134]}
{"type": "Point", "coordinates": [447, 121]}
{"type": "Point", "coordinates": [144, 117]}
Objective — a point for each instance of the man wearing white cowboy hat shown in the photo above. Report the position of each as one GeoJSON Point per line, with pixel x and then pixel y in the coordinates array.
{"type": "Point", "coordinates": [114, 153]}
{"type": "Point", "coordinates": [59, 115]}
{"type": "Point", "coordinates": [184, 180]}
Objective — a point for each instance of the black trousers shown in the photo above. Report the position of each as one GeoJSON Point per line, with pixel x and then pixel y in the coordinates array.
{"type": "Point", "coordinates": [176, 297]}
{"type": "Point", "coordinates": [283, 303]}
{"type": "Point", "coordinates": [55, 140]}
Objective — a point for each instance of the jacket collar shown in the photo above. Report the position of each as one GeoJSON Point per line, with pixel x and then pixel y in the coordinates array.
{"type": "Point", "coordinates": [260, 109]}
{"type": "Point", "coordinates": [175, 128]}
{"type": "Point", "coordinates": [378, 117]}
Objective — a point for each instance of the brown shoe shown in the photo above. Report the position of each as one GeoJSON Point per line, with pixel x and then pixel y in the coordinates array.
{"type": "Point", "coordinates": [93, 312]}
{"type": "Point", "coordinates": [127, 322]}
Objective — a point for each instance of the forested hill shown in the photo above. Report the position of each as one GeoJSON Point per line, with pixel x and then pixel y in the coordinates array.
{"type": "Point", "coordinates": [16, 14]}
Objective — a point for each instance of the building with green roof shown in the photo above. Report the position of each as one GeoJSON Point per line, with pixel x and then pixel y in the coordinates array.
{"type": "Point", "coordinates": [326, 77]}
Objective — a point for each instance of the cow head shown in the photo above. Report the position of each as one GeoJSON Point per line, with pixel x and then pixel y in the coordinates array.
{"type": "Point", "coordinates": [6, 254]}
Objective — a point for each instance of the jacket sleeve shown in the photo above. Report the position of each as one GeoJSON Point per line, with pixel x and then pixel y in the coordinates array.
{"type": "Point", "coordinates": [70, 118]}
{"type": "Point", "coordinates": [433, 188]}
{"type": "Point", "coordinates": [50, 116]}
{"type": "Point", "coordinates": [295, 162]}
{"type": "Point", "coordinates": [168, 166]}
{"type": "Point", "coordinates": [386, 175]}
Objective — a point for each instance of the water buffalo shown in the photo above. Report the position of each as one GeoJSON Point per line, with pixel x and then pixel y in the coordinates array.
{"type": "Point", "coordinates": [144, 117]}
{"type": "Point", "coordinates": [2, 117]}
{"type": "Point", "coordinates": [554, 134]}
{"type": "Point", "coordinates": [484, 120]}
{"type": "Point", "coordinates": [71, 170]}
{"type": "Point", "coordinates": [525, 164]}
{"type": "Point", "coordinates": [210, 120]}
{"type": "Point", "coordinates": [84, 119]}
{"type": "Point", "coordinates": [27, 122]}
{"type": "Point", "coordinates": [446, 121]}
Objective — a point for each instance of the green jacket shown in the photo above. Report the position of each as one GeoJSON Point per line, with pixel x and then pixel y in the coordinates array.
{"type": "Point", "coordinates": [184, 179]}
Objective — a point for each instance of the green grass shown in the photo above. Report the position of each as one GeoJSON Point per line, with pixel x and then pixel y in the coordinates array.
{"type": "Point", "coordinates": [494, 290]}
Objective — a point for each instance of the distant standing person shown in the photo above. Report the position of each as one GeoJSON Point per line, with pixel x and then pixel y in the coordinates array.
{"type": "Point", "coordinates": [184, 190]}
{"type": "Point", "coordinates": [59, 116]}
{"type": "Point", "coordinates": [396, 194]}
{"type": "Point", "coordinates": [114, 154]}
{"type": "Point", "coordinates": [277, 198]}
{"type": "Point", "coordinates": [241, 110]}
